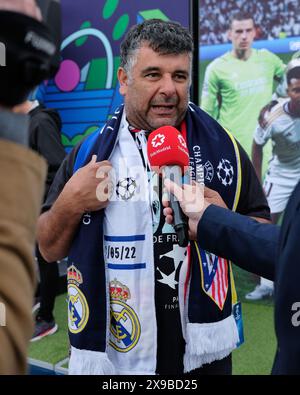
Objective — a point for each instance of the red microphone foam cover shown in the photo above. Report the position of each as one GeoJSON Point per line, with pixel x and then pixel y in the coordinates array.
{"type": "Point", "coordinates": [166, 146]}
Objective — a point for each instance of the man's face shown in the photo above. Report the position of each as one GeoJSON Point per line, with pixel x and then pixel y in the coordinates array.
{"type": "Point", "coordinates": [294, 93]}
{"type": "Point", "coordinates": [157, 92]}
{"type": "Point", "coordinates": [242, 34]}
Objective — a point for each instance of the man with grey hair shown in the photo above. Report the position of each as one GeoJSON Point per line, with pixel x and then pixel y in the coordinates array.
{"type": "Point", "coordinates": [138, 302]}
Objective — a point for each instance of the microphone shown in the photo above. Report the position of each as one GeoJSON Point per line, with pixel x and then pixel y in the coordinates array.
{"type": "Point", "coordinates": [168, 155]}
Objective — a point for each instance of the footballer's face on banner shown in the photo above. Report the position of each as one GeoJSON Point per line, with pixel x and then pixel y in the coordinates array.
{"type": "Point", "coordinates": [242, 34]}
{"type": "Point", "coordinates": [156, 91]}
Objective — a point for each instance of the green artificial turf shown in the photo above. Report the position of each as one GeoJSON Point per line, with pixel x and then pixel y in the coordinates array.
{"type": "Point", "coordinates": [256, 355]}
{"type": "Point", "coordinates": [246, 282]}
{"type": "Point", "coordinates": [54, 348]}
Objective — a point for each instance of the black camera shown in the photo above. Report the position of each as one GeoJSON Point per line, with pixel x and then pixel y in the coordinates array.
{"type": "Point", "coordinates": [30, 58]}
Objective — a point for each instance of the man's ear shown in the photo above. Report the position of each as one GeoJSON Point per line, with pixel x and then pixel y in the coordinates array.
{"type": "Point", "coordinates": [123, 80]}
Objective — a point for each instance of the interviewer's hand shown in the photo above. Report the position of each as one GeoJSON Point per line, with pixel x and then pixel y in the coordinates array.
{"type": "Point", "coordinates": [194, 200]}
{"type": "Point", "coordinates": [191, 200]}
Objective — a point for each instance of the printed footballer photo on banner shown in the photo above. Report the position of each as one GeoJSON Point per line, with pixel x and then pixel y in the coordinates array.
{"type": "Point", "coordinates": [244, 48]}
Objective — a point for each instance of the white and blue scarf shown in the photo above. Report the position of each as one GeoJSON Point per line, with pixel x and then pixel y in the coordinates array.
{"type": "Point", "coordinates": [112, 322]}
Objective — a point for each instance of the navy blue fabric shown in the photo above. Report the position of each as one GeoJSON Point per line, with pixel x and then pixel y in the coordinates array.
{"type": "Point", "coordinates": [287, 290]}
{"type": "Point", "coordinates": [84, 150]}
{"type": "Point", "coordinates": [237, 237]}
{"type": "Point", "coordinates": [100, 142]}
{"type": "Point", "coordinates": [259, 248]}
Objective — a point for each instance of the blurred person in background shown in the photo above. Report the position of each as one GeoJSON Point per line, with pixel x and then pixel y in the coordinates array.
{"type": "Point", "coordinates": [22, 175]}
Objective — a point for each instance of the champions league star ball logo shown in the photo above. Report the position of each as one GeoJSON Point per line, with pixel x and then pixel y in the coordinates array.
{"type": "Point", "coordinates": [125, 188]}
{"type": "Point", "coordinates": [225, 172]}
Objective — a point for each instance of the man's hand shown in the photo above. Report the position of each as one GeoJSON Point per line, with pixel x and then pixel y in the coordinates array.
{"type": "Point", "coordinates": [87, 190]}
{"type": "Point", "coordinates": [194, 200]}
{"type": "Point", "coordinates": [27, 7]}
{"type": "Point", "coordinates": [90, 187]}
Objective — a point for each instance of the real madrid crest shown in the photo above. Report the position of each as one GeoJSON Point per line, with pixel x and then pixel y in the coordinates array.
{"type": "Point", "coordinates": [125, 328]}
{"type": "Point", "coordinates": [78, 309]}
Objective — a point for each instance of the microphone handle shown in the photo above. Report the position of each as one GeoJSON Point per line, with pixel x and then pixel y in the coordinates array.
{"type": "Point", "coordinates": [180, 221]}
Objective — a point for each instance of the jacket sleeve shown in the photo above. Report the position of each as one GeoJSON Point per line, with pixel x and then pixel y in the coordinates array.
{"type": "Point", "coordinates": [22, 175]}
{"type": "Point", "coordinates": [247, 243]}
{"type": "Point", "coordinates": [287, 291]}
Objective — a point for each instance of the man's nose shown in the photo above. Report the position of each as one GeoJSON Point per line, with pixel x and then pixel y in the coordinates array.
{"type": "Point", "coordinates": [244, 35]}
{"type": "Point", "coordinates": [167, 86]}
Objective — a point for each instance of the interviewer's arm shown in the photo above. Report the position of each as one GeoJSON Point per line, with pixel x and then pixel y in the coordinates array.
{"type": "Point", "coordinates": [249, 244]}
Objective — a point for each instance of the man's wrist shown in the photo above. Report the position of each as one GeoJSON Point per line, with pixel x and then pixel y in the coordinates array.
{"type": "Point", "coordinates": [67, 202]}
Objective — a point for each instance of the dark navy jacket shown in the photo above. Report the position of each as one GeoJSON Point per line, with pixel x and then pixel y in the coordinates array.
{"type": "Point", "coordinates": [269, 251]}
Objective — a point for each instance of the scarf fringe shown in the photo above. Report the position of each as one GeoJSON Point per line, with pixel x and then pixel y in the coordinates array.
{"type": "Point", "coordinates": [134, 373]}
{"type": "Point", "coordinates": [87, 362]}
{"type": "Point", "coordinates": [208, 342]}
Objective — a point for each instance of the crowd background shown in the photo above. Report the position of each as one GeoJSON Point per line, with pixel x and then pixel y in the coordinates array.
{"type": "Point", "coordinates": [274, 19]}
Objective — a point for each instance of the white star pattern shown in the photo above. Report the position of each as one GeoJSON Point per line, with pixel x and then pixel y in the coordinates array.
{"type": "Point", "coordinates": [211, 260]}
{"type": "Point", "coordinates": [168, 279]}
{"type": "Point", "coordinates": [168, 229]}
{"type": "Point", "coordinates": [177, 254]}
{"type": "Point", "coordinates": [158, 140]}
{"type": "Point", "coordinates": [225, 172]}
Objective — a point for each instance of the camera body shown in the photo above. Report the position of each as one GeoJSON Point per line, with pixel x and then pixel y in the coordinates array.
{"type": "Point", "coordinates": [29, 56]}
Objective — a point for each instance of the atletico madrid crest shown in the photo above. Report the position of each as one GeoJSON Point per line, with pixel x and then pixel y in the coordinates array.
{"type": "Point", "coordinates": [215, 277]}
